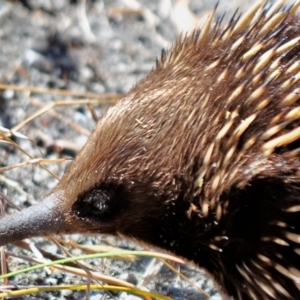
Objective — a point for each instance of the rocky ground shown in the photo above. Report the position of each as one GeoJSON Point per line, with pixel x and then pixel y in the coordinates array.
{"type": "Point", "coordinates": [100, 47]}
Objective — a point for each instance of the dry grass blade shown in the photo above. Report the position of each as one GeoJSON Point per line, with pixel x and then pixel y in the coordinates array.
{"type": "Point", "coordinates": [75, 271]}
{"type": "Point", "coordinates": [67, 120]}
{"type": "Point", "coordinates": [105, 98]}
{"type": "Point", "coordinates": [52, 106]}
{"type": "Point", "coordinates": [146, 295]}
{"type": "Point", "coordinates": [6, 138]}
{"type": "Point", "coordinates": [32, 162]}
{"type": "Point", "coordinates": [90, 249]}
{"type": "Point", "coordinates": [9, 132]}
{"type": "Point", "coordinates": [186, 279]}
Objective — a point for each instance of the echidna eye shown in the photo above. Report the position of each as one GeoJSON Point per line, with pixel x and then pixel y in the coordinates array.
{"type": "Point", "coordinates": [98, 203]}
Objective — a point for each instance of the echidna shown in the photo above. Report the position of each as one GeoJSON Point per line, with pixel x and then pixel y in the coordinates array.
{"type": "Point", "coordinates": [200, 158]}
